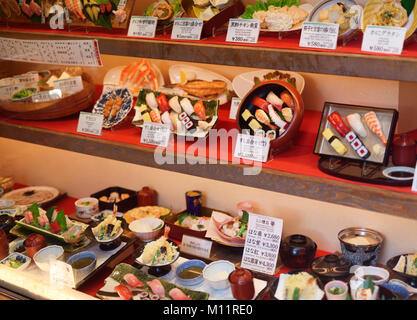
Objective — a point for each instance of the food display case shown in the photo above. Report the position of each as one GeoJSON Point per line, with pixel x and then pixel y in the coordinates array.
{"type": "Point", "coordinates": [189, 87]}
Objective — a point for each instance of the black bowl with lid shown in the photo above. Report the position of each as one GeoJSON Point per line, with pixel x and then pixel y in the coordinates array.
{"type": "Point", "coordinates": [297, 251]}
{"type": "Point", "coordinates": [331, 267]}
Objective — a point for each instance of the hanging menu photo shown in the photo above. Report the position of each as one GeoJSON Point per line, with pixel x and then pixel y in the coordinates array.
{"type": "Point", "coordinates": [262, 243]}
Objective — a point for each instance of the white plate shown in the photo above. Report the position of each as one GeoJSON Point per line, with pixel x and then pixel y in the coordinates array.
{"type": "Point", "coordinates": [280, 293]}
{"type": "Point", "coordinates": [11, 195]}
{"type": "Point", "coordinates": [201, 74]}
{"type": "Point", "coordinates": [243, 83]}
{"type": "Point", "coordinates": [112, 78]}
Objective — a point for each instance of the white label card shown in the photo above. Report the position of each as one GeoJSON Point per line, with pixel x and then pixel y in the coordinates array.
{"type": "Point", "coordinates": [243, 30]}
{"type": "Point", "coordinates": [381, 39]}
{"type": "Point", "coordinates": [61, 274]}
{"type": "Point", "coordinates": [414, 186]}
{"type": "Point", "coordinates": [6, 92]}
{"type": "Point", "coordinates": [122, 3]}
{"type": "Point", "coordinates": [196, 246]}
{"type": "Point", "coordinates": [262, 243]}
{"type": "Point", "coordinates": [234, 107]}
{"type": "Point", "coordinates": [28, 79]}
{"type": "Point", "coordinates": [319, 35]}
{"type": "Point", "coordinates": [187, 29]}
{"type": "Point", "coordinates": [69, 86]}
{"type": "Point", "coordinates": [46, 96]}
{"type": "Point", "coordinates": [253, 148]}
{"type": "Point", "coordinates": [156, 134]}
{"type": "Point", "coordinates": [63, 52]}
{"type": "Point", "coordinates": [144, 27]}
{"type": "Point", "coordinates": [90, 123]}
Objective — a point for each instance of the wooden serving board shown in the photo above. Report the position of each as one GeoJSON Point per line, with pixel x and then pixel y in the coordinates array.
{"type": "Point", "coordinates": [53, 109]}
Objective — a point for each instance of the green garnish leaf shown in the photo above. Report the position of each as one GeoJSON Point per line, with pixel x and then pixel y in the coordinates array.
{"type": "Point", "coordinates": [242, 229]}
{"type": "Point", "coordinates": [245, 216]}
{"type": "Point", "coordinates": [415, 262]}
{"type": "Point", "coordinates": [34, 208]}
{"type": "Point", "coordinates": [156, 228]}
{"type": "Point", "coordinates": [50, 212]}
{"type": "Point", "coordinates": [369, 284]}
{"type": "Point", "coordinates": [200, 226]}
{"type": "Point", "coordinates": [62, 221]}
{"type": "Point", "coordinates": [296, 294]}
{"type": "Point", "coordinates": [408, 5]}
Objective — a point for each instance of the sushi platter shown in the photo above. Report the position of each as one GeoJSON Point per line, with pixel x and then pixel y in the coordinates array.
{"type": "Point", "coordinates": [186, 117]}
{"type": "Point", "coordinates": [354, 143]}
{"type": "Point", "coordinates": [272, 109]}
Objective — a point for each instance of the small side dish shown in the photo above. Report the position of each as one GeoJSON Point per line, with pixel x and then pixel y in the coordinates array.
{"type": "Point", "coordinates": [407, 264]}
{"type": "Point", "coordinates": [298, 286]}
{"type": "Point", "coordinates": [166, 11]}
{"type": "Point", "coordinates": [192, 222]}
{"type": "Point", "coordinates": [233, 228]}
{"type": "Point", "coordinates": [16, 261]}
{"type": "Point", "coordinates": [160, 252]}
{"type": "Point", "coordinates": [108, 230]}
{"type": "Point", "coordinates": [146, 212]}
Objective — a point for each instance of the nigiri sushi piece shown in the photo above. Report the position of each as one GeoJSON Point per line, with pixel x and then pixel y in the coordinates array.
{"type": "Point", "coordinates": [260, 103]}
{"type": "Point", "coordinates": [163, 103]}
{"type": "Point", "coordinates": [354, 121]}
{"type": "Point", "coordinates": [274, 99]}
{"type": "Point", "coordinates": [187, 106]}
{"type": "Point", "coordinates": [174, 103]}
{"type": "Point", "coordinates": [132, 280]}
{"type": "Point", "coordinates": [151, 100]}
{"type": "Point", "coordinates": [287, 98]}
{"type": "Point", "coordinates": [157, 287]}
{"type": "Point", "coordinates": [174, 118]}
{"type": "Point", "coordinates": [337, 145]}
{"type": "Point", "coordinates": [276, 118]}
{"type": "Point", "coordinates": [124, 292]}
{"type": "Point", "coordinates": [177, 294]}
{"type": "Point", "coordinates": [199, 110]}
{"type": "Point", "coordinates": [261, 116]}
{"type": "Point", "coordinates": [155, 116]}
{"type": "Point", "coordinates": [167, 120]}
{"type": "Point", "coordinates": [180, 127]}
{"type": "Point", "coordinates": [287, 113]}
{"type": "Point", "coordinates": [373, 123]}
{"type": "Point", "coordinates": [143, 109]}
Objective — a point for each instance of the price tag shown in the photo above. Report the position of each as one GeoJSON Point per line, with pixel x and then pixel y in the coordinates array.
{"type": "Point", "coordinates": [196, 246]}
{"type": "Point", "coordinates": [243, 30]}
{"type": "Point", "coordinates": [144, 27]}
{"type": "Point", "coordinates": [262, 243]}
{"type": "Point", "coordinates": [61, 274]}
{"type": "Point", "coordinates": [234, 107]}
{"type": "Point", "coordinates": [253, 148]}
{"type": "Point", "coordinates": [6, 92]}
{"type": "Point", "coordinates": [90, 123]}
{"type": "Point", "coordinates": [28, 79]}
{"type": "Point", "coordinates": [156, 134]}
{"type": "Point", "coordinates": [319, 35]}
{"type": "Point", "coordinates": [46, 96]}
{"type": "Point", "coordinates": [187, 29]}
{"type": "Point", "coordinates": [414, 186]}
{"type": "Point", "coordinates": [381, 39]}
{"type": "Point", "coordinates": [69, 86]}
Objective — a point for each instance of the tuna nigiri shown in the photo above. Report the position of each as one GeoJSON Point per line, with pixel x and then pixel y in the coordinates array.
{"type": "Point", "coordinates": [177, 294]}
{"type": "Point", "coordinates": [375, 126]}
{"type": "Point", "coordinates": [155, 116]}
{"type": "Point", "coordinates": [124, 292]}
{"type": "Point", "coordinates": [157, 287]}
{"type": "Point", "coordinates": [132, 280]}
{"type": "Point", "coordinates": [199, 110]}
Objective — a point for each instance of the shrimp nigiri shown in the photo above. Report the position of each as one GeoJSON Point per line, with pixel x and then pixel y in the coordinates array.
{"type": "Point", "coordinates": [261, 116]}
{"type": "Point", "coordinates": [375, 126]}
{"type": "Point", "coordinates": [199, 110]}
{"type": "Point", "coordinates": [155, 116]}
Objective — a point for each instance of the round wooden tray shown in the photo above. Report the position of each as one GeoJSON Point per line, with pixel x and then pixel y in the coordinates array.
{"type": "Point", "coordinates": [52, 109]}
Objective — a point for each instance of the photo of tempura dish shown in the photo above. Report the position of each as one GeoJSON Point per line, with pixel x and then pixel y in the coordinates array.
{"type": "Point", "coordinates": [346, 14]}
{"type": "Point", "coordinates": [281, 16]}
{"type": "Point", "coordinates": [390, 13]}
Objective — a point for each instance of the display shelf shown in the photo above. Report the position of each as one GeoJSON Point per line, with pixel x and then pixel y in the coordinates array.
{"type": "Point", "coordinates": [294, 172]}
{"type": "Point", "coordinates": [269, 52]}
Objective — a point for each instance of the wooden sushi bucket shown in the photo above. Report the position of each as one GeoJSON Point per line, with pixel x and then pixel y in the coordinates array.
{"type": "Point", "coordinates": [286, 140]}
{"type": "Point", "coordinates": [52, 109]}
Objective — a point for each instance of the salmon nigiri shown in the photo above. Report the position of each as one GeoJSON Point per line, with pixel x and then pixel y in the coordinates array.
{"type": "Point", "coordinates": [373, 123]}
{"type": "Point", "coordinates": [177, 294]}
{"type": "Point", "coordinates": [132, 280]}
{"type": "Point", "coordinates": [157, 287]}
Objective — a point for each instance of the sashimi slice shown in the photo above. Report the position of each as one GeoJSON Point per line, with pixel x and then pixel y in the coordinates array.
{"type": "Point", "coordinates": [157, 287]}
{"type": "Point", "coordinates": [132, 280]}
{"type": "Point", "coordinates": [177, 294]}
{"type": "Point", "coordinates": [124, 292]}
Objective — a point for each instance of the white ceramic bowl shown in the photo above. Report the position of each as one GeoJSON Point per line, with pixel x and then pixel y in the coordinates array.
{"type": "Point", "coordinates": [156, 225]}
{"type": "Point", "coordinates": [79, 273]}
{"type": "Point", "coordinates": [46, 255]}
{"type": "Point", "coordinates": [217, 273]}
{"type": "Point", "coordinates": [86, 211]}
{"type": "Point", "coordinates": [363, 272]}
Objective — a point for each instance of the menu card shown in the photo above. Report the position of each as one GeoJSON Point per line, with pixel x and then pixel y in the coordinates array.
{"type": "Point", "coordinates": [262, 243]}
{"type": "Point", "coordinates": [63, 52]}
{"type": "Point", "coordinates": [156, 134]}
{"type": "Point", "coordinates": [187, 29]}
{"type": "Point", "coordinates": [90, 123]}
{"type": "Point", "coordinates": [234, 108]}
{"type": "Point", "coordinates": [319, 35]}
{"type": "Point", "coordinates": [196, 246]}
{"type": "Point", "coordinates": [253, 148]}
{"type": "Point", "coordinates": [382, 39]}
{"type": "Point", "coordinates": [144, 27]}
{"type": "Point", "coordinates": [243, 30]}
